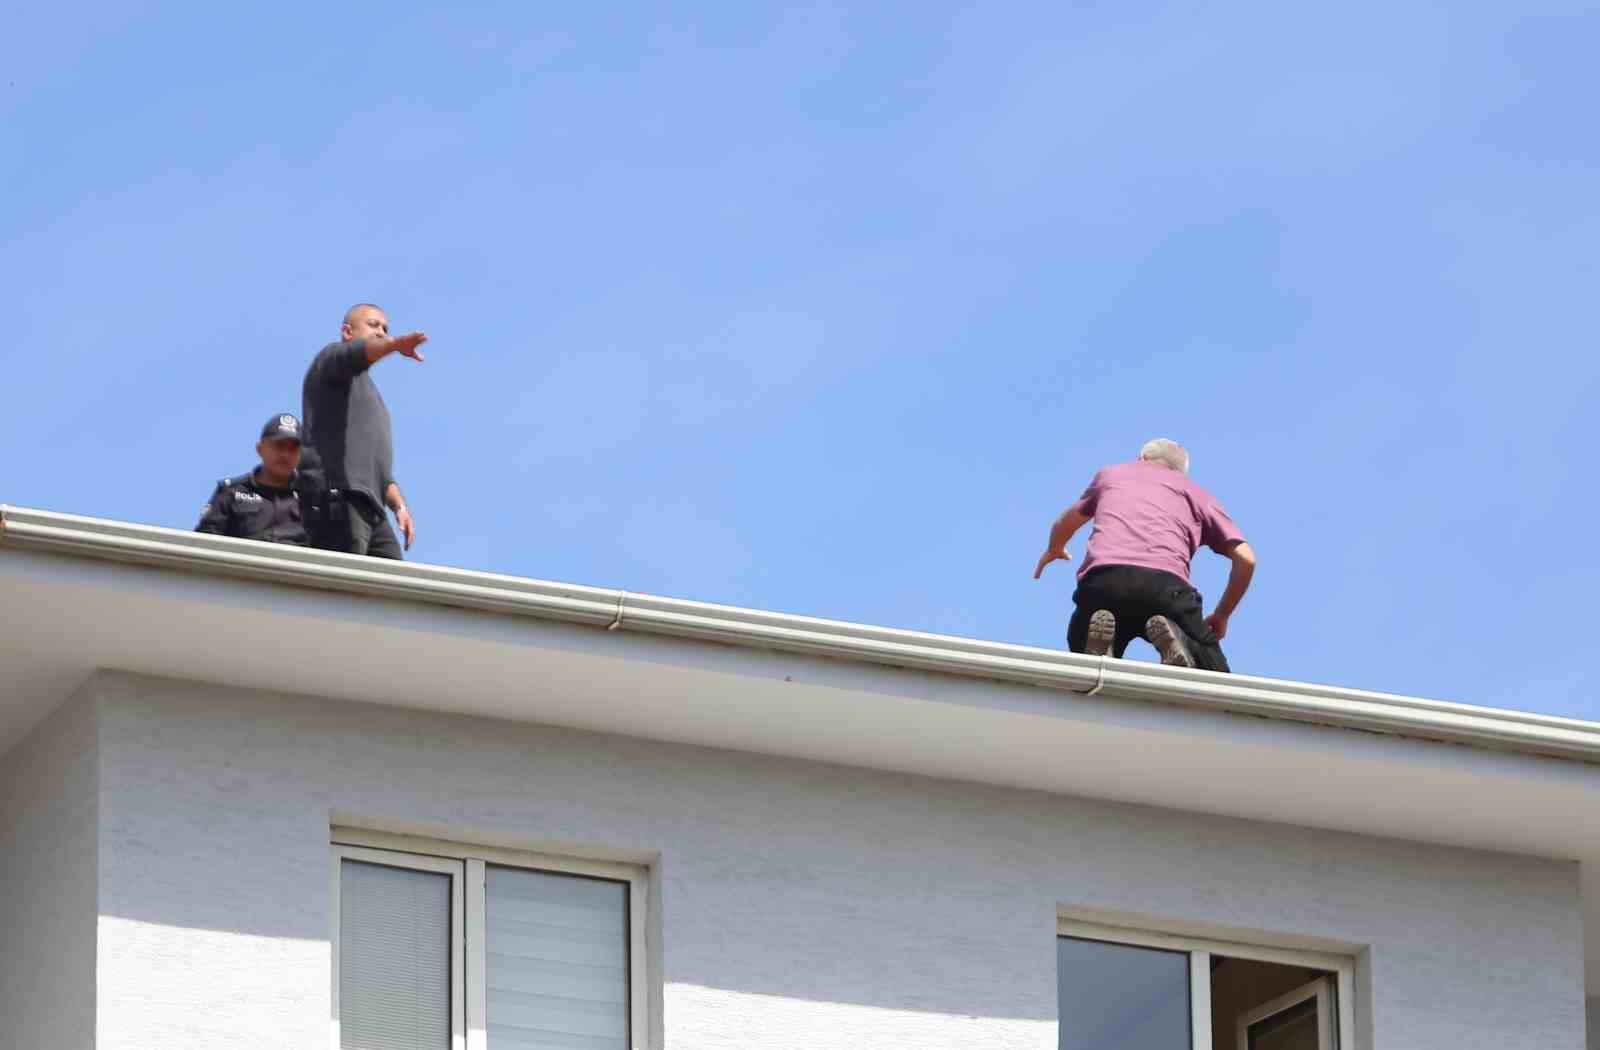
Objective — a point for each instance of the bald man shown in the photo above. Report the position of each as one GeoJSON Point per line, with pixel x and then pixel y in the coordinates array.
{"type": "Point", "coordinates": [347, 428]}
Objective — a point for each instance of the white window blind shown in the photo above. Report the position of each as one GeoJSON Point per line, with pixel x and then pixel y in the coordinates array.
{"type": "Point", "coordinates": [394, 958]}
{"type": "Point", "coordinates": [557, 961]}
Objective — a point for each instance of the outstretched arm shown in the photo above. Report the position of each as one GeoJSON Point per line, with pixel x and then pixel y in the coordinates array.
{"type": "Point", "coordinates": [1243, 557]}
{"type": "Point", "coordinates": [1072, 519]}
{"type": "Point", "coordinates": [342, 362]}
{"type": "Point", "coordinates": [406, 345]}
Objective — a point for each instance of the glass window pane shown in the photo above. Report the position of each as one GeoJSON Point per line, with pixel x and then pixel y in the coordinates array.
{"type": "Point", "coordinates": [1118, 997]}
{"type": "Point", "coordinates": [394, 958]}
{"type": "Point", "coordinates": [557, 970]}
{"type": "Point", "coordinates": [1293, 1029]}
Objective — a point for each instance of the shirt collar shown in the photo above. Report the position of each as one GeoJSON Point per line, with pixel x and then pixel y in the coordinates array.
{"type": "Point", "coordinates": [256, 483]}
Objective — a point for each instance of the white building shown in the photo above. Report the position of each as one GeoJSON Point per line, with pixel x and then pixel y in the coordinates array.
{"type": "Point", "coordinates": [261, 797]}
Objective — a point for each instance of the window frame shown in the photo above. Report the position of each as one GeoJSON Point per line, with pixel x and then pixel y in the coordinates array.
{"type": "Point", "coordinates": [469, 863]}
{"type": "Point", "coordinates": [411, 862]}
{"type": "Point", "coordinates": [1320, 989]}
{"type": "Point", "coordinates": [1342, 969]}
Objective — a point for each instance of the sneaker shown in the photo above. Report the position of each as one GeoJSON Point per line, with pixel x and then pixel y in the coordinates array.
{"type": "Point", "coordinates": [1169, 641]}
{"type": "Point", "coordinates": [1102, 633]}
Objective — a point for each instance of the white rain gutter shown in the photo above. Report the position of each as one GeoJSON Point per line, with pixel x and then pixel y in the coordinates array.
{"type": "Point", "coordinates": [65, 534]}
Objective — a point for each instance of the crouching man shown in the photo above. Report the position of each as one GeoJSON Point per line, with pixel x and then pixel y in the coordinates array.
{"type": "Point", "coordinates": [269, 503]}
{"type": "Point", "coordinates": [1149, 519]}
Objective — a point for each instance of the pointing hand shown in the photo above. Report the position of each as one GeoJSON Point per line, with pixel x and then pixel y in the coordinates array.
{"type": "Point", "coordinates": [407, 344]}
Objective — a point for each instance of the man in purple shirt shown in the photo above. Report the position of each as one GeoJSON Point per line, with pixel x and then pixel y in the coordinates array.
{"type": "Point", "coordinates": [1149, 519]}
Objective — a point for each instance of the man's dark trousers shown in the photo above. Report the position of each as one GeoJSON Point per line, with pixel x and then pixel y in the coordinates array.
{"type": "Point", "coordinates": [1133, 594]}
{"type": "Point", "coordinates": [367, 529]}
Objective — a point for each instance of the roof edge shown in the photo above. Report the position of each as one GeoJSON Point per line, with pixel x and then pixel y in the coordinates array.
{"type": "Point", "coordinates": [170, 549]}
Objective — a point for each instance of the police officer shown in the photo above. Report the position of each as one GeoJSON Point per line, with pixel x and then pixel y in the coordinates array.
{"type": "Point", "coordinates": [270, 503]}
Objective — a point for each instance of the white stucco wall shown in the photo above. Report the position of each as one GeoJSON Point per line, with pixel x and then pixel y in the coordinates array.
{"type": "Point", "coordinates": [47, 883]}
{"type": "Point", "coordinates": [802, 904]}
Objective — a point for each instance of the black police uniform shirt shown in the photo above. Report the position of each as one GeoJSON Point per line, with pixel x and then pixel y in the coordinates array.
{"type": "Point", "coordinates": [246, 507]}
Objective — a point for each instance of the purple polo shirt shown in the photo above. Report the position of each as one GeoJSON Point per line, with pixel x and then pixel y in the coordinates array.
{"type": "Point", "coordinates": [1149, 515]}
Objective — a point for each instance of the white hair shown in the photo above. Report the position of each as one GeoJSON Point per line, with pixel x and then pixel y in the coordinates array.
{"type": "Point", "coordinates": [1166, 452]}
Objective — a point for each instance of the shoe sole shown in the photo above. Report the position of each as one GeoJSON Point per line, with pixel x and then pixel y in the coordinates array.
{"type": "Point", "coordinates": [1102, 633]}
{"type": "Point", "coordinates": [1168, 641]}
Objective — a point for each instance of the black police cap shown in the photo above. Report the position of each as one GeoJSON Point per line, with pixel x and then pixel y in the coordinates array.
{"type": "Point", "coordinates": [281, 428]}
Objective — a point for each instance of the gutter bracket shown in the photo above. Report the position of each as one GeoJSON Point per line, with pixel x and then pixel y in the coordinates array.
{"type": "Point", "coordinates": [622, 596]}
{"type": "Point", "coordinates": [1099, 678]}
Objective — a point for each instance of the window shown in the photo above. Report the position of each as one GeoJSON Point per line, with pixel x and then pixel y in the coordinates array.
{"type": "Point", "coordinates": [440, 946]}
{"type": "Point", "coordinates": [1302, 1017]}
{"type": "Point", "coordinates": [1119, 996]}
{"type": "Point", "coordinates": [397, 959]}
{"type": "Point", "coordinates": [1127, 989]}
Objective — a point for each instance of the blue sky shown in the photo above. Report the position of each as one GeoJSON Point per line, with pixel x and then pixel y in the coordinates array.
{"type": "Point", "coordinates": [830, 308]}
